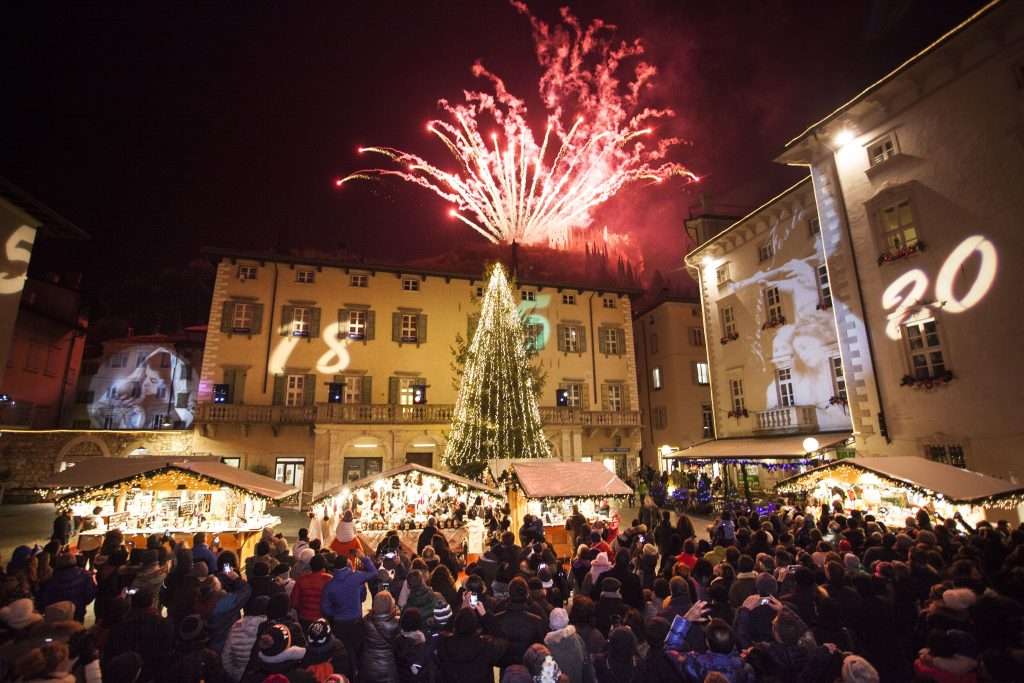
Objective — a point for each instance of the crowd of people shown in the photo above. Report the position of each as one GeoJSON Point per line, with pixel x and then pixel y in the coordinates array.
{"type": "Point", "coordinates": [820, 596]}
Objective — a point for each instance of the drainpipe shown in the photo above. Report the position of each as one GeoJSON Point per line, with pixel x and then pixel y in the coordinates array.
{"type": "Point", "coordinates": [593, 343]}
{"type": "Point", "coordinates": [270, 331]}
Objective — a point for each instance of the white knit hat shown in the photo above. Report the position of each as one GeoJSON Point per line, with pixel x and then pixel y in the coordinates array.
{"type": "Point", "coordinates": [559, 619]}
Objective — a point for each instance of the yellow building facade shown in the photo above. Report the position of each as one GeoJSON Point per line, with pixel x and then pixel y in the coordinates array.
{"type": "Point", "coordinates": [313, 370]}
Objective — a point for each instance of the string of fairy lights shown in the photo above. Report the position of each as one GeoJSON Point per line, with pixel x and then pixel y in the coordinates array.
{"type": "Point", "coordinates": [496, 413]}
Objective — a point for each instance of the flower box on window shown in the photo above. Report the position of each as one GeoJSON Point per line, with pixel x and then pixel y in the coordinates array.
{"type": "Point", "coordinates": [927, 382]}
{"type": "Point", "coordinates": [774, 322]}
{"type": "Point", "coordinates": [742, 412]}
{"type": "Point", "coordinates": [837, 401]}
{"type": "Point", "coordinates": [901, 253]}
{"type": "Point", "coordinates": [732, 336]}
{"type": "Point", "coordinates": [823, 306]}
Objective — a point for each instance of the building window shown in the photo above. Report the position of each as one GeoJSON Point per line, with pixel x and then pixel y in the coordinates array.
{"type": "Point", "coordinates": [535, 336]}
{"type": "Point", "coordinates": [611, 341]}
{"type": "Point", "coordinates": [357, 324]}
{"type": "Point", "coordinates": [701, 373]}
{"type": "Point", "coordinates": [608, 302]}
{"type": "Point", "coordinates": [182, 400]}
{"type": "Point", "coordinates": [814, 226]}
{"type": "Point", "coordinates": [295, 390]}
{"type": "Point", "coordinates": [479, 292]}
{"type": "Point", "coordinates": [654, 342]}
{"type": "Point", "coordinates": [353, 392]}
{"type": "Point", "coordinates": [241, 317]}
{"type": "Point", "coordinates": [246, 272]}
{"type": "Point", "coordinates": [528, 295]}
{"type": "Point", "coordinates": [696, 336]}
{"type": "Point", "coordinates": [765, 252]}
{"type": "Point", "coordinates": [290, 470]}
{"type": "Point", "coordinates": [722, 274]}
{"type": "Point", "coordinates": [571, 338]}
{"type": "Point", "coordinates": [573, 394]}
{"type": "Point", "coordinates": [784, 381]}
{"type": "Point", "coordinates": [656, 378]}
{"type": "Point", "coordinates": [925, 349]}
{"type": "Point", "coordinates": [360, 468]}
{"type": "Point", "coordinates": [736, 394]}
{"type": "Point", "coordinates": [947, 454]}
{"type": "Point", "coordinates": [898, 229]}
{"type": "Point", "coordinates": [408, 332]}
{"type": "Point", "coordinates": [85, 397]}
{"type": "Point", "coordinates": [708, 420]}
{"type": "Point", "coordinates": [119, 359]}
{"type": "Point", "coordinates": [838, 378]}
{"type": "Point", "coordinates": [358, 280]}
{"type": "Point", "coordinates": [410, 284]}
{"type": "Point", "coordinates": [614, 397]}
{"type": "Point", "coordinates": [824, 290]}
{"type": "Point", "coordinates": [232, 462]}
{"type": "Point", "coordinates": [659, 417]}
{"type": "Point", "coordinates": [773, 300]}
{"type": "Point", "coordinates": [728, 322]}
{"type": "Point", "coordinates": [304, 276]}
{"type": "Point", "coordinates": [301, 318]}
{"type": "Point", "coordinates": [882, 150]}
{"type": "Point", "coordinates": [569, 299]}
{"type": "Point", "coordinates": [54, 358]}
{"type": "Point", "coordinates": [161, 392]}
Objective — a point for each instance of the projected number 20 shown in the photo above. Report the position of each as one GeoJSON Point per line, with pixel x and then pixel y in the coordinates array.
{"type": "Point", "coordinates": [905, 293]}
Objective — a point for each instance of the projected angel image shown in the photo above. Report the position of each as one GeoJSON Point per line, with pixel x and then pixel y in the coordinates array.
{"type": "Point", "coordinates": [144, 398]}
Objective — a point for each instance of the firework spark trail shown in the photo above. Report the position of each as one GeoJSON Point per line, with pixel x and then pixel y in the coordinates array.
{"type": "Point", "coordinates": [512, 188]}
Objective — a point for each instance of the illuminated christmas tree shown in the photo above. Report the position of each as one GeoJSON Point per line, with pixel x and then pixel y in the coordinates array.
{"type": "Point", "coordinates": [496, 413]}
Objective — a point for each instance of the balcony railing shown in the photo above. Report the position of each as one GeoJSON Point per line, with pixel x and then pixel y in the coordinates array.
{"type": "Point", "coordinates": [357, 413]}
{"type": "Point", "coordinates": [788, 419]}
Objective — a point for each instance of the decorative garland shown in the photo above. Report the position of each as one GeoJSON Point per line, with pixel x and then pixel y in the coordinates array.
{"type": "Point", "coordinates": [927, 383]}
{"type": "Point", "coordinates": [890, 256]}
{"type": "Point", "coordinates": [774, 322]}
{"type": "Point", "coordinates": [770, 466]}
{"type": "Point", "coordinates": [732, 336]}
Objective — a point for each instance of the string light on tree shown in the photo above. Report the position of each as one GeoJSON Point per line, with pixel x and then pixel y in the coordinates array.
{"type": "Point", "coordinates": [496, 413]}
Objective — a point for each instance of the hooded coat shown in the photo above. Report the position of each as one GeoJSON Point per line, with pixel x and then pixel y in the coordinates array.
{"type": "Point", "coordinates": [469, 659]}
{"type": "Point", "coordinates": [238, 646]}
{"type": "Point", "coordinates": [570, 653]}
{"type": "Point", "coordinates": [378, 661]}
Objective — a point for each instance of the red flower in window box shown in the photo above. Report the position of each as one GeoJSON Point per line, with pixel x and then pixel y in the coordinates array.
{"type": "Point", "coordinates": [927, 382]}
{"type": "Point", "coordinates": [733, 336]}
{"type": "Point", "coordinates": [774, 322]}
{"type": "Point", "coordinates": [901, 253]}
{"type": "Point", "coordinates": [742, 412]}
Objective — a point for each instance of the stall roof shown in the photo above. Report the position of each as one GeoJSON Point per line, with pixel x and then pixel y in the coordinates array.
{"type": "Point", "coordinates": [545, 479]}
{"type": "Point", "coordinates": [788, 446]}
{"type": "Point", "coordinates": [359, 483]}
{"type": "Point", "coordinates": [957, 485]}
{"type": "Point", "coordinates": [102, 471]}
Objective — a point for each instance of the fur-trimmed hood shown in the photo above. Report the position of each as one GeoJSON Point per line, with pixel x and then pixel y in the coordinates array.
{"type": "Point", "coordinates": [555, 637]}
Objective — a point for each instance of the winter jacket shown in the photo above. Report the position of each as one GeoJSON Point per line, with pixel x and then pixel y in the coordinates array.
{"type": "Point", "coordinates": [592, 638]}
{"type": "Point", "coordinates": [69, 583]}
{"type": "Point", "coordinates": [520, 628]}
{"type": "Point", "coordinates": [694, 666]}
{"type": "Point", "coordinates": [265, 585]}
{"type": "Point", "coordinates": [632, 591]}
{"type": "Point", "coordinates": [342, 598]}
{"type": "Point", "coordinates": [415, 657]}
{"type": "Point", "coordinates": [239, 644]}
{"type": "Point", "coordinates": [741, 588]}
{"type": "Point", "coordinates": [202, 553]}
{"type": "Point", "coordinates": [570, 652]}
{"type": "Point", "coordinates": [378, 662]}
{"type": "Point", "coordinates": [753, 622]}
{"type": "Point", "coordinates": [424, 599]}
{"type": "Point", "coordinates": [147, 634]}
{"type": "Point", "coordinates": [226, 611]}
{"type": "Point", "coordinates": [610, 611]}
{"type": "Point", "coordinates": [425, 539]}
{"type": "Point", "coordinates": [470, 659]}
{"type": "Point", "coordinates": [306, 595]}
{"type": "Point", "coordinates": [151, 579]}
{"type": "Point", "coordinates": [328, 659]}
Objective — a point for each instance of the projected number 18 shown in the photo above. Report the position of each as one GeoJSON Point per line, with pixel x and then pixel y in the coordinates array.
{"type": "Point", "coordinates": [905, 293]}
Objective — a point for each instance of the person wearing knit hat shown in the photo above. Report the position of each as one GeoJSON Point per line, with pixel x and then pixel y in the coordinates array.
{"type": "Point", "coordinates": [276, 651]}
{"type": "Point", "coordinates": [542, 665]}
{"type": "Point", "coordinates": [69, 582]}
{"type": "Point", "coordinates": [566, 646]}
{"type": "Point", "coordinates": [382, 629]}
{"type": "Point", "coordinates": [960, 599]}
{"type": "Point", "coordinates": [858, 670]}
{"type": "Point", "coordinates": [325, 655]}
{"type": "Point", "coordinates": [20, 615]}
{"type": "Point", "coordinates": [345, 540]}
{"type": "Point", "coordinates": [610, 609]}
{"type": "Point", "coordinates": [599, 565]}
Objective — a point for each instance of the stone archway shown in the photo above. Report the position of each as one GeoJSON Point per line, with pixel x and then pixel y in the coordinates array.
{"type": "Point", "coordinates": [83, 446]}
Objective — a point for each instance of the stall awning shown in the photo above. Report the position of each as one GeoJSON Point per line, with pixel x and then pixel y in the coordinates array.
{"type": "Point", "coordinates": [956, 485]}
{"type": "Point", "coordinates": [98, 472]}
{"type": "Point", "coordinates": [790, 446]}
{"type": "Point", "coordinates": [387, 474]}
{"type": "Point", "coordinates": [547, 479]}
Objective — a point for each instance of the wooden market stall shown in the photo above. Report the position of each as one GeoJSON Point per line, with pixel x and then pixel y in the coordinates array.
{"type": "Point", "coordinates": [178, 495]}
{"type": "Point", "coordinates": [549, 488]}
{"type": "Point", "coordinates": [896, 487]}
{"type": "Point", "coordinates": [403, 499]}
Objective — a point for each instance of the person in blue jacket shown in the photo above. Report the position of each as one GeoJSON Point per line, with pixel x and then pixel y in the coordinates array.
{"type": "Point", "coordinates": [342, 600]}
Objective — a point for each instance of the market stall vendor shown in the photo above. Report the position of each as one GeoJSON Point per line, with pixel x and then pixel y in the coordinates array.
{"type": "Point", "coordinates": [174, 495]}
{"type": "Point", "coordinates": [896, 487]}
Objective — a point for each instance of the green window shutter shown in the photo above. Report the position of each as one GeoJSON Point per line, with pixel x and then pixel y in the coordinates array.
{"type": "Point", "coordinates": [421, 328]}
{"type": "Point", "coordinates": [602, 345]}
{"type": "Point", "coordinates": [371, 324]}
{"type": "Point", "coordinates": [342, 323]}
{"type": "Point", "coordinates": [287, 315]}
{"type": "Point", "coordinates": [257, 318]}
{"type": "Point", "coordinates": [625, 397]}
{"type": "Point", "coordinates": [583, 338]}
{"type": "Point", "coordinates": [396, 327]}
{"type": "Point", "coordinates": [393, 390]}
{"type": "Point", "coordinates": [620, 341]}
{"type": "Point", "coordinates": [604, 396]}
{"type": "Point", "coordinates": [585, 396]}
{"type": "Point", "coordinates": [309, 390]}
{"type": "Point", "coordinates": [367, 390]}
{"type": "Point", "coordinates": [561, 337]}
{"type": "Point", "coordinates": [279, 381]}
{"type": "Point", "coordinates": [314, 323]}
{"type": "Point", "coordinates": [227, 315]}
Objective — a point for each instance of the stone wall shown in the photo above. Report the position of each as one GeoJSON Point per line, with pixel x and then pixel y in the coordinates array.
{"type": "Point", "coordinates": [27, 457]}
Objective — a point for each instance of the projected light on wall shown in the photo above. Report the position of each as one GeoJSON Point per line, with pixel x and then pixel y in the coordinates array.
{"type": "Point", "coordinates": [142, 387]}
{"type": "Point", "coordinates": [975, 257]}
{"type": "Point", "coordinates": [18, 250]}
{"type": "Point", "coordinates": [333, 361]}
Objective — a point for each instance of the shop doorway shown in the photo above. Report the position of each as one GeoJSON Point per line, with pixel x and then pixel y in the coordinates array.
{"type": "Point", "coordinates": [291, 471]}
{"type": "Point", "coordinates": [422, 459]}
{"type": "Point", "coordinates": [357, 468]}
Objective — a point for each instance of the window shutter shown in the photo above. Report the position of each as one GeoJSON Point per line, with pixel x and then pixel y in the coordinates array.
{"type": "Point", "coordinates": [287, 315]}
{"type": "Point", "coordinates": [602, 343]}
{"type": "Point", "coordinates": [309, 390]}
{"type": "Point", "coordinates": [421, 328]}
{"type": "Point", "coordinates": [371, 323]}
{"type": "Point", "coordinates": [342, 323]}
{"type": "Point", "coordinates": [367, 390]}
{"type": "Point", "coordinates": [396, 327]}
{"type": "Point", "coordinates": [257, 318]}
{"type": "Point", "coordinates": [561, 337]}
{"type": "Point", "coordinates": [279, 381]}
{"type": "Point", "coordinates": [314, 323]}
{"type": "Point", "coordinates": [227, 316]}
{"type": "Point", "coordinates": [471, 322]}
{"type": "Point", "coordinates": [393, 390]}
{"type": "Point", "coordinates": [584, 396]}
{"type": "Point", "coordinates": [620, 340]}
{"type": "Point", "coordinates": [625, 397]}
{"type": "Point", "coordinates": [604, 397]}
{"type": "Point", "coordinates": [583, 338]}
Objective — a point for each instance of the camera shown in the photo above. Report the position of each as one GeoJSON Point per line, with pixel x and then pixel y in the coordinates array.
{"type": "Point", "coordinates": [389, 556]}
{"type": "Point", "coordinates": [132, 591]}
{"type": "Point", "coordinates": [764, 601]}
{"type": "Point", "coordinates": [473, 599]}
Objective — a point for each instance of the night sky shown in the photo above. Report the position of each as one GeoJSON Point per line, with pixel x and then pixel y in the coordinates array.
{"type": "Point", "coordinates": [161, 128]}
